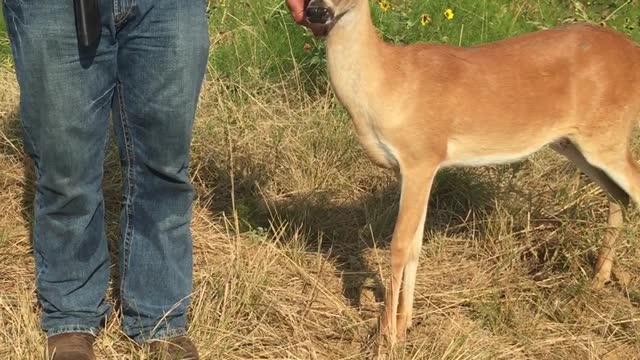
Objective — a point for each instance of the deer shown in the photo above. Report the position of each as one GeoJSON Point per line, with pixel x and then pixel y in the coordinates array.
{"type": "Point", "coordinates": [421, 107]}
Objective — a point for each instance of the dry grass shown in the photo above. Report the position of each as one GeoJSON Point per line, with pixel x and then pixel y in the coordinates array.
{"type": "Point", "coordinates": [291, 231]}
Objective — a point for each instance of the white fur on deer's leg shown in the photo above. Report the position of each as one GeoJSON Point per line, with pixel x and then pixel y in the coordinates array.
{"type": "Point", "coordinates": [604, 264]}
{"type": "Point", "coordinates": [405, 304]}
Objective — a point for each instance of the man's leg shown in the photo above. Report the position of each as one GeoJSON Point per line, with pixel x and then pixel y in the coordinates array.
{"type": "Point", "coordinates": [65, 100]}
{"type": "Point", "coordinates": [162, 56]}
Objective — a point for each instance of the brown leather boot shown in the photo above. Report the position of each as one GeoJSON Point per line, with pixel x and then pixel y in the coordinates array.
{"type": "Point", "coordinates": [177, 348]}
{"type": "Point", "coordinates": [71, 346]}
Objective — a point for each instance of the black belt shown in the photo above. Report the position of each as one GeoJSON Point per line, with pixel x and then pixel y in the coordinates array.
{"type": "Point", "coordinates": [87, 21]}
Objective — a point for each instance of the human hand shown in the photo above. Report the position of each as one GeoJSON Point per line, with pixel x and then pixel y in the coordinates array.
{"type": "Point", "coordinates": [297, 8]}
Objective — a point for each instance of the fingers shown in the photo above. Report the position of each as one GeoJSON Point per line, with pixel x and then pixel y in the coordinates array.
{"type": "Point", "coordinates": [296, 7]}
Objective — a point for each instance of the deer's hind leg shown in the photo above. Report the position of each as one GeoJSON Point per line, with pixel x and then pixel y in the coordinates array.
{"type": "Point", "coordinates": [618, 198]}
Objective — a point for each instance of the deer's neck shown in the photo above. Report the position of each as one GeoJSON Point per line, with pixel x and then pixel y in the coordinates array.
{"type": "Point", "coordinates": [354, 59]}
{"type": "Point", "coordinates": [356, 62]}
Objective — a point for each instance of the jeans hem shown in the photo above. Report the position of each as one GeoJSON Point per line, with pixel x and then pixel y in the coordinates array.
{"type": "Point", "coordinates": [72, 329]}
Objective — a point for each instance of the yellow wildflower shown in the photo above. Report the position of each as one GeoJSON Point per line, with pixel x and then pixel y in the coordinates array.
{"type": "Point", "coordinates": [425, 20]}
{"type": "Point", "coordinates": [449, 14]}
{"type": "Point", "coordinates": [384, 5]}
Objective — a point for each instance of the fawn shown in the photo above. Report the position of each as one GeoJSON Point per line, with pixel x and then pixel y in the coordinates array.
{"type": "Point", "coordinates": [418, 108]}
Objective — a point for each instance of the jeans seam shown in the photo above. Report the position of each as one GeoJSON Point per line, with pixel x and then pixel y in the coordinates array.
{"type": "Point", "coordinates": [129, 191]}
{"type": "Point", "coordinates": [119, 19]}
{"type": "Point", "coordinates": [116, 9]}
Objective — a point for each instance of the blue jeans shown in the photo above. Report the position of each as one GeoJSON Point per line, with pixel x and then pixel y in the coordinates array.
{"type": "Point", "coordinates": [147, 71]}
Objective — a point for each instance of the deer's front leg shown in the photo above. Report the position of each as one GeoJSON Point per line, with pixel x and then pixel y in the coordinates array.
{"type": "Point", "coordinates": [405, 249]}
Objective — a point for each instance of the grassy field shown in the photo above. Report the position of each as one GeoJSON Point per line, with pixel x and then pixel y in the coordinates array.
{"type": "Point", "coordinates": [292, 223]}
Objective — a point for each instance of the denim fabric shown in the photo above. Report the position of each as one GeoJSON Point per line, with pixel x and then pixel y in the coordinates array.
{"type": "Point", "coordinates": [146, 70]}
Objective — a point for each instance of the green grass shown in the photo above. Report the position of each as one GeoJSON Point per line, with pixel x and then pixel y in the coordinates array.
{"type": "Point", "coordinates": [258, 40]}
{"type": "Point", "coordinates": [3, 25]}
{"type": "Point", "coordinates": [5, 47]}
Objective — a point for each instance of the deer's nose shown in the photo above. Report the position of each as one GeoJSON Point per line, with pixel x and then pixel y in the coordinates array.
{"type": "Point", "coordinates": [318, 14]}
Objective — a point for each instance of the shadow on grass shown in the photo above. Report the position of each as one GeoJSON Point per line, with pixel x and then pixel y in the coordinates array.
{"type": "Point", "coordinates": [344, 230]}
